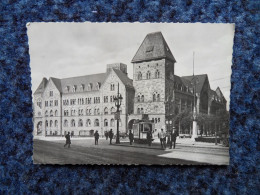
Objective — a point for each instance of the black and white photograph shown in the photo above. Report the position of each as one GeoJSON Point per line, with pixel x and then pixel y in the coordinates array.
{"type": "Point", "coordinates": [131, 93]}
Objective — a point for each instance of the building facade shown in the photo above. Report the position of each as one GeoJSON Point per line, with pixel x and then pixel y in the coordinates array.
{"type": "Point", "coordinates": [82, 105]}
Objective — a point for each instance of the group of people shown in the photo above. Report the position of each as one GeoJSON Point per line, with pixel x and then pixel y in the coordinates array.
{"type": "Point", "coordinates": [172, 138]}
{"type": "Point", "coordinates": [161, 135]}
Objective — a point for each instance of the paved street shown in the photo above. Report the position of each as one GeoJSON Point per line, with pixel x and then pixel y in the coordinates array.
{"type": "Point", "coordinates": [83, 151]}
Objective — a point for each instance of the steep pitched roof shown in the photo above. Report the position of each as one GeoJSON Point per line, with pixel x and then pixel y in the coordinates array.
{"type": "Point", "coordinates": [42, 86]}
{"type": "Point", "coordinates": [57, 83]}
{"type": "Point", "coordinates": [124, 78]}
{"type": "Point", "coordinates": [154, 46]}
{"type": "Point", "coordinates": [85, 80]}
{"type": "Point", "coordinates": [200, 78]}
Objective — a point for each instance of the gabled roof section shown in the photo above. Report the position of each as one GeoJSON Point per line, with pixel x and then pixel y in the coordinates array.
{"type": "Point", "coordinates": [124, 78]}
{"type": "Point", "coordinates": [57, 83]}
{"type": "Point", "coordinates": [85, 80]}
{"type": "Point", "coordinates": [42, 86]}
{"type": "Point", "coordinates": [200, 81]}
{"type": "Point", "coordinates": [153, 47]}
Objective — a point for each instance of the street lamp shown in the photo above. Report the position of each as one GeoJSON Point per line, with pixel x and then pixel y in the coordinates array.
{"type": "Point", "coordinates": [194, 123]}
{"type": "Point", "coordinates": [118, 101]}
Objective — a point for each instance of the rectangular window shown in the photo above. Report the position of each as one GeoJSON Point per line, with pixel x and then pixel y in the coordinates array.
{"type": "Point", "coordinates": [51, 93]}
{"type": "Point", "coordinates": [56, 102]}
{"type": "Point", "coordinates": [51, 103]}
{"type": "Point", "coordinates": [46, 103]}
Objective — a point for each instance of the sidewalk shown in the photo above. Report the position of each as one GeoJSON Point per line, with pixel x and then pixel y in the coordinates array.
{"type": "Point", "coordinates": [179, 142]}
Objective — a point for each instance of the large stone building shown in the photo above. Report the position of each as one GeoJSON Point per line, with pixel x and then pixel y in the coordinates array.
{"type": "Point", "coordinates": [84, 104]}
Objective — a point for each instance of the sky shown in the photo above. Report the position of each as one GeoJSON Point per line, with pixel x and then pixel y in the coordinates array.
{"type": "Point", "coordinates": [65, 50]}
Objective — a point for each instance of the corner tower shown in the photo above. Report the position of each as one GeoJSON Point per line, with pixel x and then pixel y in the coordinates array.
{"type": "Point", "coordinates": [153, 69]}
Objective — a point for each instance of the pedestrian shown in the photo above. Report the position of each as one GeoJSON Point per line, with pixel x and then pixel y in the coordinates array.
{"type": "Point", "coordinates": [149, 137]}
{"type": "Point", "coordinates": [96, 135]}
{"type": "Point", "coordinates": [162, 137]}
{"type": "Point", "coordinates": [106, 134]}
{"type": "Point", "coordinates": [131, 137]}
{"type": "Point", "coordinates": [110, 135]}
{"type": "Point", "coordinates": [68, 142]}
{"type": "Point", "coordinates": [173, 138]}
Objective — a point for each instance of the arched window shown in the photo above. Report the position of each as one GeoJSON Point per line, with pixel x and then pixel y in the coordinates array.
{"type": "Point", "coordinates": [138, 110]}
{"type": "Point", "coordinates": [95, 111]}
{"type": "Point", "coordinates": [113, 110]}
{"type": "Point", "coordinates": [72, 123]}
{"type": "Point", "coordinates": [154, 97]}
{"type": "Point", "coordinates": [46, 123]}
{"type": "Point", "coordinates": [51, 123]}
{"type": "Point", "coordinates": [148, 75]}
{"type": "Point", "coordinates": [157, 74]}
{"type": "Point", "coordinates": [106, 110]}
{"type": "Point", "coordinates": [56, 123]}
{"type": "Point", "coordinates": [138, 98]}
{"type": "Point", "coordinates": [105, 122]}
{"type": "Point", "coordinates": [112, 122]}
{"type": "Point", "coordinates": [142, 110]}
{"type": "Point", "coordinates": [46, 113]}
{"type": "Point", "coordinates": [80, 123]}
{"type": "Point", "coordinates": [98, 112]}
{"type": "Point", "coordinates": [56, 112]}
{"type": "Point", "coordinates": [65, 123]}
{"type": "Point", "coordinates": [139, 76]}
{"type": "Point", "coordinates": [96, 123]}
{"type": "Point", "coordinates": [158, 97]}
{"type": "Point", "coordinates": [88, 123]}
{"type": "Point", "coordinates": [89, 112]}
{"type": "Point", "coordinates": [142, 98]}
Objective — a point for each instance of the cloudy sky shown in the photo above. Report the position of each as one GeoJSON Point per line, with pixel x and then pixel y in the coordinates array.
{"type": "Point", "coordinates": [64, 50]}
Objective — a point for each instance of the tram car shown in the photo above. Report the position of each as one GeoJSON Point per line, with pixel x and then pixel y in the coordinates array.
{"type": "Point", "coordinates": [140, 130]}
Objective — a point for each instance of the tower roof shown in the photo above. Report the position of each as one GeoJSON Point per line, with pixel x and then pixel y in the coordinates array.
{"type": "Point", "coordinates": [153, 47]}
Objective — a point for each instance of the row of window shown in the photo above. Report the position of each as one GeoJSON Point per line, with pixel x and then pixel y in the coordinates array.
{"type": "Point", "coordinates": [82, 87]}
{"type": "Point", "coordinates": [156, 98]}
{"type": "Point", "coordinates": [88, 123]}
{"type": "Point", "coordinates": [51, 124]}
{"type": "Point", "coordinates": [51, 113]}
{"type": "Point", "coordinates": [49, 103]}
{"type": "Point", "coordinates": [156, 120]}
{"type": "Point", "coordinates": [82, 101]}
{"type": "Point", "coordinates": [148, 75]}
{"type": "Point", "coordinates": [88, 111]}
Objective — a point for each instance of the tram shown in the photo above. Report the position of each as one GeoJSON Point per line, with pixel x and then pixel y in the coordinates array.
{"type": "Point", "coordinates": [140, 130]}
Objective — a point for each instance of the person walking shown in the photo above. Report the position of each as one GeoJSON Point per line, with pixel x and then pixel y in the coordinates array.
{"type": "Point", "coordinates": [96, 135]}
{"type": "Point", "coordinates": [162, 136]}
{"type": "Point", "coordinates": [68, 142]}
{"type": "Point", "coordinates": [131, 137]}
{"type": "Point", "coordinates": [110, 135]}
{"type": "Point", "coordinates": [149, 137]}
{"type": "Point", "coordinates": [173, 138]}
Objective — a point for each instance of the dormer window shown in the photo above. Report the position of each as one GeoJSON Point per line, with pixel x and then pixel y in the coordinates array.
{"type": "Point", "coordinates": [74, 88]}
{"type": "Point", "coordinates": [98, 86]}
{"type": "Point", "coordinates": [82, 86]}
{"type": "Point", "coordinates": [51, 93]}
{"type": "Point", "coordinates": [89, 86]}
